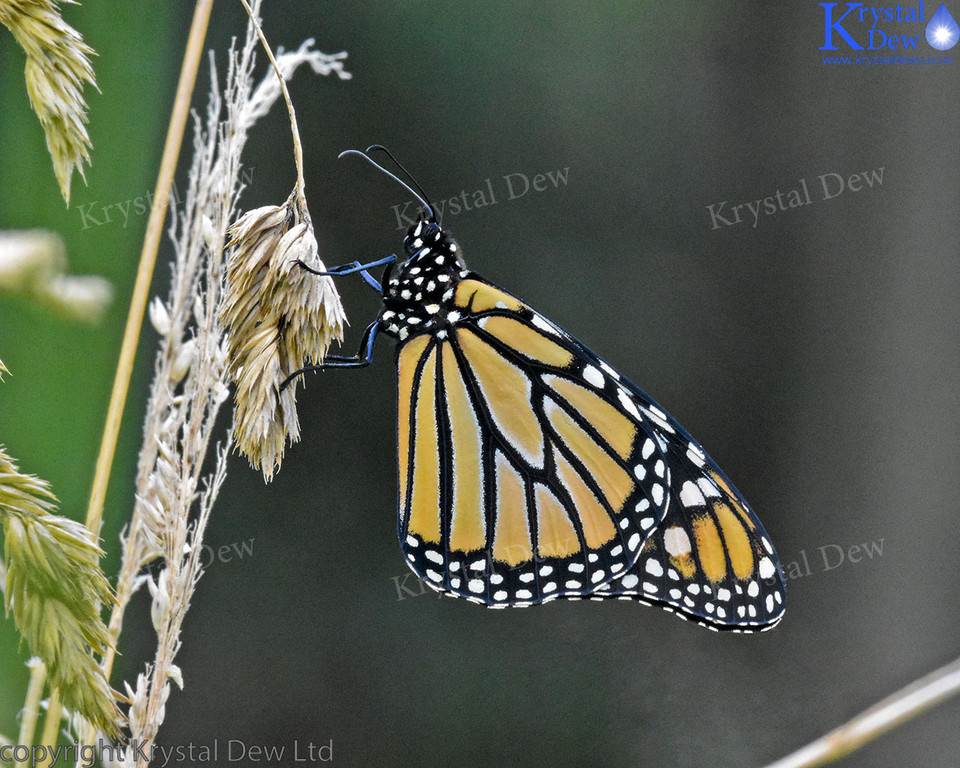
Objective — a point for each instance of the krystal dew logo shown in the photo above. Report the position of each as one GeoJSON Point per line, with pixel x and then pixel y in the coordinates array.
{"type": "Point", "coordinates": [892, 32]}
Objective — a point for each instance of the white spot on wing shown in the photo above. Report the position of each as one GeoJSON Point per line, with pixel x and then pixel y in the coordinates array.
{"type": "Point", "coordinates": [695, 454]}
{"type": "Point", "coordinates": [766, 568]}
{"type": "Point", "coordinates": [676, 541]}
{"type": "Point", "coordinates": [707, 487]}
{"type": "Point", "coordinates": [657, 493]}
{"type": "Point", "coordinates": [659, 418]}
{"type": "Point", "coordinates": [543, 325]}
{"type": "Point", "coordinates": [629, 581]}
{"type": "Point", "coordinates": [593, 376]}
{"type": "Point", "coordinates": [691, 496]}
{"type": "Point", "coordinates": [609, 370]}
{"type": "Point", "coordinates": [627, 402]}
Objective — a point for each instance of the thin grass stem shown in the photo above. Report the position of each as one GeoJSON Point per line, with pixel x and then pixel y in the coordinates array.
{"type": "Point", "coordinates": [894, 710]}
{"type": "Point", "coordinates": [148, 259]}
{"type": "Point", "coordinates": [297, 147]}
{"type": "Point", "coordinates": [138, 303]}
{"type": "Point", "coordinates": [31, 707]}
{"type": "Point", "coordinates": [51, 726]}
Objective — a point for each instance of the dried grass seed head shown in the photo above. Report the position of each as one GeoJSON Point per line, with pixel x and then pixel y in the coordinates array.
{"type": "Point", "coordinates": [279, 319]}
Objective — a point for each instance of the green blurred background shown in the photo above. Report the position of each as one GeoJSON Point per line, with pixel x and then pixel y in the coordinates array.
{"type": "Point", "coordinates": [816, 356]}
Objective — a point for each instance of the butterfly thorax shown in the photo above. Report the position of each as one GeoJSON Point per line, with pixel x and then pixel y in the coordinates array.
{"type": "Point", "coordinates": [417, 297]}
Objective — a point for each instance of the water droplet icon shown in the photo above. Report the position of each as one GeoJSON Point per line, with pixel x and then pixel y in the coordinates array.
{"type": "Point", "coordinates": [942, 31]}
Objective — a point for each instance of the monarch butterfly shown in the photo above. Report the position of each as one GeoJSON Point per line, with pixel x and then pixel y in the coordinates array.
{"type": "Point", "coordinates": [531, 470]}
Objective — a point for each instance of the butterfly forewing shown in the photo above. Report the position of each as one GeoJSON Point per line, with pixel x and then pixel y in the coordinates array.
{"type": "Point", "coordinates": [525, 474]}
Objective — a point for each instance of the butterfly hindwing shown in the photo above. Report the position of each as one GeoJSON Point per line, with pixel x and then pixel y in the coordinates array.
{"type": "Point", "coordinates": [525, 475]}
{"type": "Point", "coordinates": [710, 560]}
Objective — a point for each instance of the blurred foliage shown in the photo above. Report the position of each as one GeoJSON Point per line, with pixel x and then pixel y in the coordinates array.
{"type": "Point", "coordinates": [53, 404]}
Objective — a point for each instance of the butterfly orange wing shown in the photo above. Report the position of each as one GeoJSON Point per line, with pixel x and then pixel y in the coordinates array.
{"type": "Point", "coordinates": [525, 473]}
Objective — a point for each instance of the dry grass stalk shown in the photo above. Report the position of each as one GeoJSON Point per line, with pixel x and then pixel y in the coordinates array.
{"type": "Point", "coordinates": [58, 65]}
{"type": "Point", "coordinates": [174, 496]}
{"type": "Point", "coordinates": [279, 317]}
{"type": "Point", "coordinates": [893, 711]}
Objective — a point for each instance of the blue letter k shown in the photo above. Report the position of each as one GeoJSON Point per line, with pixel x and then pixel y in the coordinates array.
{"type": "Point", "coordinates": [830, 25]}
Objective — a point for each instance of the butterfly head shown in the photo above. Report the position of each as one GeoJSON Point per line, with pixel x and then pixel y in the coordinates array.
{"type": "Point", "coordinates": [425, 242]}
{"type": "Point", "coordinates": [425, 231]}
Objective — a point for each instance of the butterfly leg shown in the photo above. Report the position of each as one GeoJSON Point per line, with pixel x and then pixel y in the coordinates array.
{"type": "Point", "coordinates": [351, 268]}
{"type": "Point", "coordinates": [362, 359]}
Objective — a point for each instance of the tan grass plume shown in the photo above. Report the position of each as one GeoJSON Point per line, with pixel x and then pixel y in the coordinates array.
{"type": "Point", "coordinates": [280, 318]}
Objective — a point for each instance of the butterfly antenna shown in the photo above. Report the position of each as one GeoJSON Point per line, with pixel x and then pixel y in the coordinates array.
{"type": "Point", "coordinates": [381, 148]}
{"type": "Point", "coordinates": [419, 195]}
